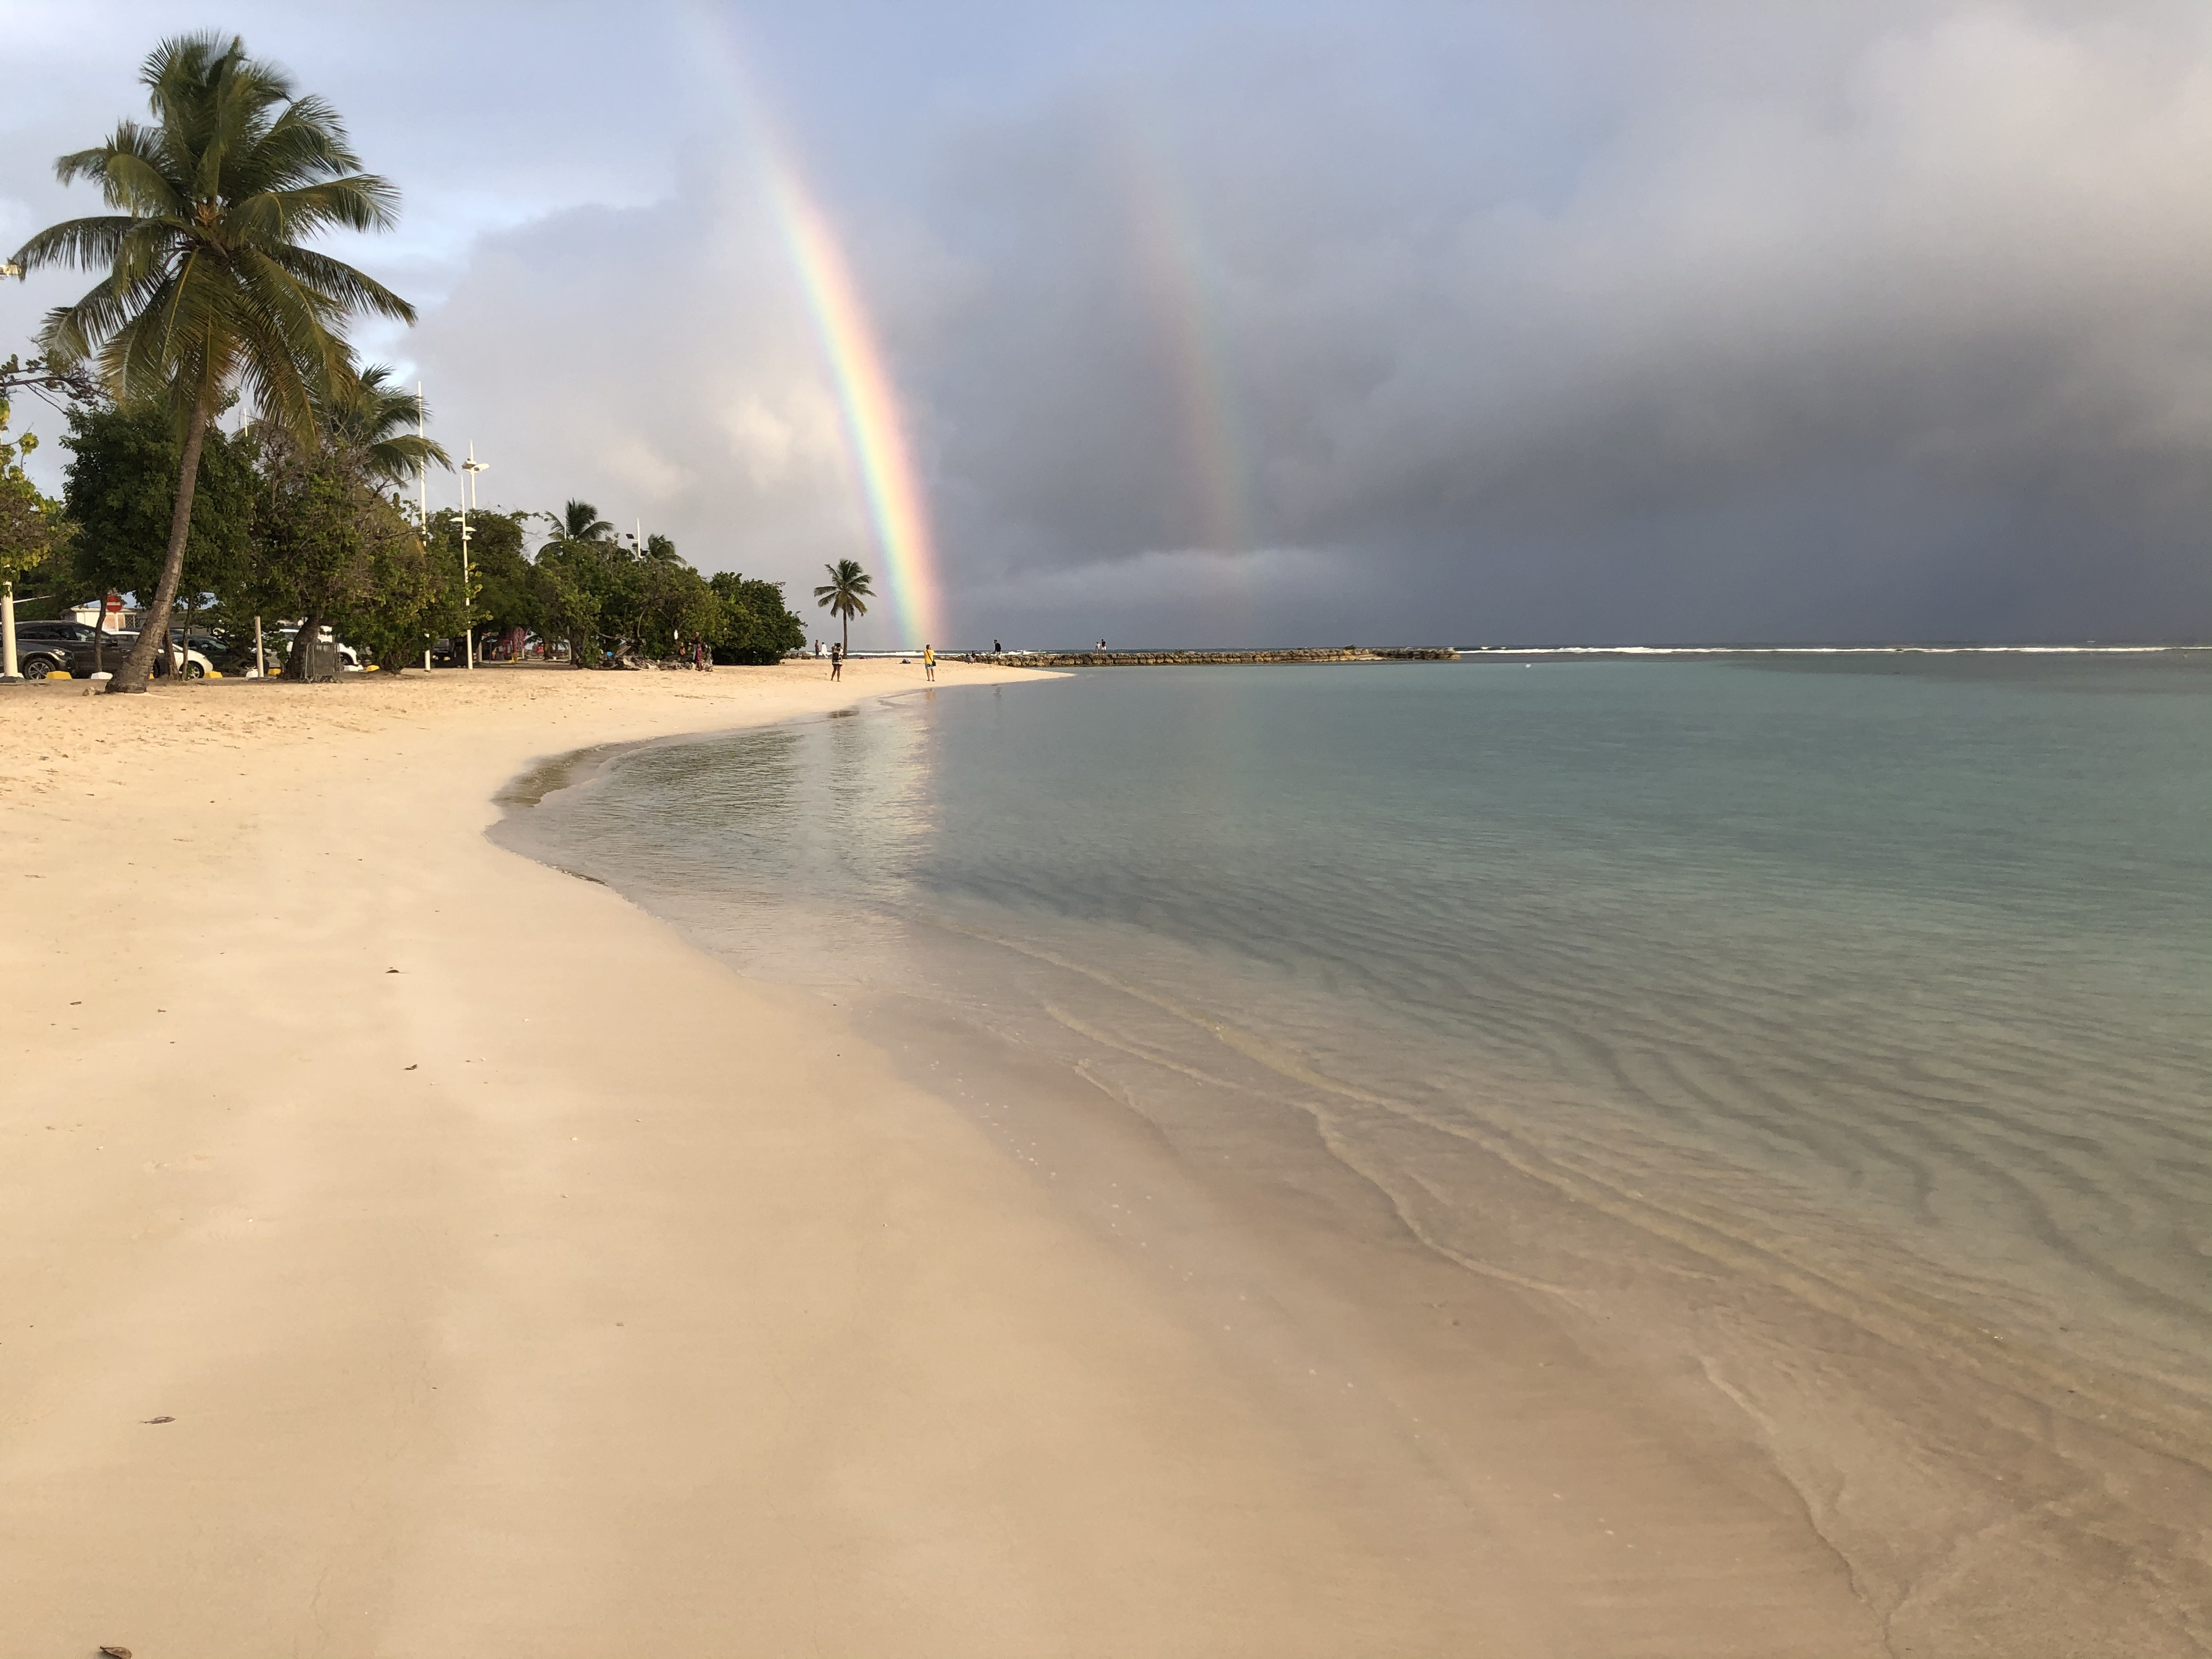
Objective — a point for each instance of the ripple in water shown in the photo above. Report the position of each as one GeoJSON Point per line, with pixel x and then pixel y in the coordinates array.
{"type": "Point", "coordinates": [1862, 1013]}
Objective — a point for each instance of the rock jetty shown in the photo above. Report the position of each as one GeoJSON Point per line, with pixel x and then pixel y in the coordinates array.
{"type": "Point", "coordinates": [1182, 658]}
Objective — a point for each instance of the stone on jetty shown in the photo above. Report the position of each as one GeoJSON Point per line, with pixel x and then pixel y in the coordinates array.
{"type": "Point", "coordinates": [1182, 658]}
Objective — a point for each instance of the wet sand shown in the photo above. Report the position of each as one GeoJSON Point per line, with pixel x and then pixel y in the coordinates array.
{"type": "Point", "coordinates": [412, 1248]}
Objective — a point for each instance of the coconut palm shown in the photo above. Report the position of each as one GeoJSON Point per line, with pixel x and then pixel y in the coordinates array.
{"type": "Point", "coordinates": [579, 521]}
{"type": "Point", "coordinates": [369, 422]}
{"type": "Point", "coordinates": [845, 595]}
{"type": "Point", "coordinates": [208, 288]}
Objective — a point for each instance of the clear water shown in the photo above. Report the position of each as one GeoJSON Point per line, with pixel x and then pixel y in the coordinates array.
{"type": "Point", "coordinates": [1884, 990]}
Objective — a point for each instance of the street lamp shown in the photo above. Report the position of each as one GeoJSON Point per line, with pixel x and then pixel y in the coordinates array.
{"type": "Point", "coordinates": [9, 673]}
{"type": "Point", "coordinates": [471, 466]}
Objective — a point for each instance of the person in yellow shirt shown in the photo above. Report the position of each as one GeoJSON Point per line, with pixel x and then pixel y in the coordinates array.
{"type": "Point", "coordinates": [929, 662]}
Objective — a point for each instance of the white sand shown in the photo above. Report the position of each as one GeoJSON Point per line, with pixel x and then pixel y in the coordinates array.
{"type": "Point", "coordinates": [561, 1293]}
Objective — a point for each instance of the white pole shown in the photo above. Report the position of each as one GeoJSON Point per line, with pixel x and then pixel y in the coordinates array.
{"type": "Point", "coordinates": [422, 499]}
{"type": "Point", "coordinates": [468, 604]}
{"type": "Point", "coordinates": [260, 658]}
{"type": "Point", "coordinates": [472, 467]}
{"type": "Point", "coordinates": [8, 671]}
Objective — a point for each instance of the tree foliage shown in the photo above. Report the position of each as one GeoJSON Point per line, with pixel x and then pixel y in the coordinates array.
{"type": "Point", "coordinates": [285, 530]}
{"type": "Point", "coordinates": [33, 529]}
{"type": "Point", "coordinates": [616, 603]}
{"type": "Point", "coordinates": [210, 286]}
{"type": "Point", "coordinates": [845, 595]}
{"type": "Point", "coordinates": [502, 595]}
{"type": "Point", "coordinates": [756, 625]}
{"type": "Point", "coordinates": [371, 420]}
{"type": "Point", "coordinates": [323, 545]}
{"type": "Point", "coordinates": [120, 487]}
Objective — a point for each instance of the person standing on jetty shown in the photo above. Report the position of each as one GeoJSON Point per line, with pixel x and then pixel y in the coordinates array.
{"type": "Point", "coordinates": [929, 662]}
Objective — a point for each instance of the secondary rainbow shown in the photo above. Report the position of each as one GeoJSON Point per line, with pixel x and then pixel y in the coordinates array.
{"type": "Point", "coordinates": [1177, 271]}
{"type": "Point", "coordinates": [869, 402]}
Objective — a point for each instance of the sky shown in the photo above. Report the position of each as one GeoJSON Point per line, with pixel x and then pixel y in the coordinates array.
{"type": "Point", "coordinates": [1379, 321]}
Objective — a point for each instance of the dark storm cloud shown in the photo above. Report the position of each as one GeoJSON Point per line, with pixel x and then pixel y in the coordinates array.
{"type": "Point", "coordinates": [1908, 340]}
{"type": "Point", "coordinates": [1599, 320]}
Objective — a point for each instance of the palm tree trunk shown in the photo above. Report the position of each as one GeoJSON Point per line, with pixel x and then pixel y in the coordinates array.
{"type": "Point", "coordinates": [848, 634]}
{"type": "Point", "coordinates": [154, 623]}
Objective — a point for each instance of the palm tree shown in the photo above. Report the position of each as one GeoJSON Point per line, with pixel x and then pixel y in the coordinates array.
{"type": "Point", "coordinates": [845, 595]}
{"type": "Point", "coordinates": [581, 522]}
{"type": "Point", "coordinates": [208, 286]}
{"type": "Point", "coordinates": [368, 421]}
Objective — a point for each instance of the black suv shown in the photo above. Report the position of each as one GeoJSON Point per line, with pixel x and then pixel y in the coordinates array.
{"type": "Point", "coordinates": [45, 647]}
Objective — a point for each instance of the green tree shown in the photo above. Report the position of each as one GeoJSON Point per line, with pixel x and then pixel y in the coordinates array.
{"type": "Point", "coordinates": [757, 626]}
{"type": "Point", "coordinates": [845, 595]}
{"type": "Point", "coordinates": [327, 548]}
{"type": "Point", "coordinates": [676, 606]}
{"type": "Point", "coordinates": [404, 596]}
{"type": "Point", "coordinates": [504, 593]}
{"type": "Point", "coordinates": [581, 579]}
{"type": "Point", "coordinates": [208, 285]}
{"type": "Point", "coordinates": [579, 521]}
{"type": "Point", "coordinates": [119, 488]}
{"type": "Point", "coordinates": [587, 584]}
{"type": "Point", "coordinates": [367, 419]}
{"type": "Point", "coordinates": [32, 529]}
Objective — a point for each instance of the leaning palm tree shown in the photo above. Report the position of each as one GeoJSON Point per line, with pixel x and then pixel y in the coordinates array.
{"type": "Point", "coordinates": [367, 420]}
{"type": "Point", "coordinates": [209, 288]}
{"type": "Point", "coordinates": [845, 595]}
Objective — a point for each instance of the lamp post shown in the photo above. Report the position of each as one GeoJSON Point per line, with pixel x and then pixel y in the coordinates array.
{"type": "Point", "coordinates": [472, 467]}
{"type": "Point", "coordinates": [10, 672]}
{"type": "Point", "coordinates": [422, 499]}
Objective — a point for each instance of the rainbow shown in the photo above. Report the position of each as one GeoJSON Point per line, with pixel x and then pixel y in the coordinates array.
{"type": "Point", "coordinates": [1177, 274]}
{"type": "Point", "coordinates": [874, 432]}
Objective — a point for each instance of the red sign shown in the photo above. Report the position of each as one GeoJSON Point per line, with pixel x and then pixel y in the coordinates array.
{"type": "Point", "coordinates": [114, 604]}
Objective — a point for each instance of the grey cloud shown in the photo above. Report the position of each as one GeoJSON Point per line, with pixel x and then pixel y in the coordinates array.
{"type": "Point", "coordinates": [1321, 322]}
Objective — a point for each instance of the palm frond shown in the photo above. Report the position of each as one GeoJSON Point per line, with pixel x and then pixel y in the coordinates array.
{"type": "Point", "coordinates": [402, 460]}
{"type": "Point", "coordinates": [85, 244]}
{"type": "Point", "coordinates": [338, 283]}
{"type": "Point", "coordinates": [207, 287]}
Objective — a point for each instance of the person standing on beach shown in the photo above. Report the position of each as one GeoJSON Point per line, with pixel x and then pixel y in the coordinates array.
{"type": "Point", "coordinates": [929, 662]}
{"type": "Point", "coordinates": [837, 661]}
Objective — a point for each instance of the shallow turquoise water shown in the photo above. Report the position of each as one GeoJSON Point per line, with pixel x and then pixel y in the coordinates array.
{"type": "Point", "coordinates": [1887, 985]}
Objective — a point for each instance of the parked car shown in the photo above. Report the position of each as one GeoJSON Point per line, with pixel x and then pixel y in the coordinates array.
{"type": "Point", "coordinates": [197, 663]}
{"type": "Point", "coordinates": [49, 648]}
{"type": "Point", "coordinates": [45, 647]}
{"type": "Point", "coordinates": [228, 657]}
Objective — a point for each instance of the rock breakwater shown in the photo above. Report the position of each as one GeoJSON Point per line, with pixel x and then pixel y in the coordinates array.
{"type": "Point", "coordinates": [1184, 658]}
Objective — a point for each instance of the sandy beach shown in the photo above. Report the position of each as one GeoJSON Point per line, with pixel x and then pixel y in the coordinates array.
{"type": "Point", "coordinates": [414, 1250]}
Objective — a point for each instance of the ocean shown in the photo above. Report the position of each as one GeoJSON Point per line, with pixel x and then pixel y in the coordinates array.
{"type": "Point", "coordinates": [1837, 1030]}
